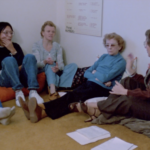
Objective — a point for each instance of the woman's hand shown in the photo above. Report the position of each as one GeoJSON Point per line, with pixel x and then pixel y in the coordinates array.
{"type": "Point", "coordinates": [55, 69]}
{"type": "Point", "coordinates": [8, 44]}
{"type": "Point", "coordinates": [20, 67]}
{"type": "Point", "coordinates": [129, 66]}
{"type": "Point", "coordinates": [118, 89]}
{"type": "Point", "coordinates": [48, 61]}
{"type": "Point", "coordinates": [108, 83]}
{"type": "Point", "coordinates": [93, 71]}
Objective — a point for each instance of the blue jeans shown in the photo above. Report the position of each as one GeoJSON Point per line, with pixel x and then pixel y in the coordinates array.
{"type": "Point", "coordinates": [64, 80]}
{"type": "Point", "coordinates": [27, 77]}
{"type": "Point", "coordinates": [1, 105]}
{"type": "Point", "coordinates": [50, 75]}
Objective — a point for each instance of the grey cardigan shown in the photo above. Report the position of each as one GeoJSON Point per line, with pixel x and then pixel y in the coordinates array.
{"type": "Point", "coordinates": [41, 54]}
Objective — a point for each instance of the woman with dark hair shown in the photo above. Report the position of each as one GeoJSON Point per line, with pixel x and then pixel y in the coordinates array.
{"type": "Point", "coordinates": [16, 70]}
{"type": "Point", "coordinates": [131, 98]}
{"type": "Point", "coordinates": [100, 79]}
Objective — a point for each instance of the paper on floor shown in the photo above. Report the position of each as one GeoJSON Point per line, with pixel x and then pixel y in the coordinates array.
{"type": "Point", "coordinates": [92, 132]}
{"type": "Point", "coordinates": [115, 144]}
{"type": "Point", "coordinates": [89, 134]}
{"type": "Point", "coordinates": [61, 93]}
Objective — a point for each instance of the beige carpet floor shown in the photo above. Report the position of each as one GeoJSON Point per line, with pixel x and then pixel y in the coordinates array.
{"type": "Point", "coordinates": [50, 134]}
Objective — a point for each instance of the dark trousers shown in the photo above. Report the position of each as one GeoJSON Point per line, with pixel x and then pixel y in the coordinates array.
{"type": "Point", "coordinates": [59, 107]}
{"type": "Point", "coordinates": [128, 106]}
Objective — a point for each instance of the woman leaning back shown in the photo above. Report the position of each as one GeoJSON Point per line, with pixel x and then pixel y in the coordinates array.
{"type": "Point", "coordinates": [50, 60]}
{"type": "Point", "coordinates": [100, 79]}
{"type": "Point", "coordinates": [131, 98]}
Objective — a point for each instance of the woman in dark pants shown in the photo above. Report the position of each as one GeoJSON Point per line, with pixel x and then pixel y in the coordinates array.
{"type": "Point", "coordinates": [131, 98]}
{"type": "Point", "coordinates": [101, 78]}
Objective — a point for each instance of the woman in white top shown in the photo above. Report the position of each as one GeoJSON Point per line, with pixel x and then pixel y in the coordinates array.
{"type": "Point", "coordinates": [50, 60]}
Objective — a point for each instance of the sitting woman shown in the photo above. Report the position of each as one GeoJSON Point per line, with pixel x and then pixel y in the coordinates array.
{"type": "Point", "coordinates": [101, 78]}
{"type": "Point", "coordinates": [49, 59]}
{"type": "Point", "coordinates": [131, 98]}
{"type": "Point", "coordinates": [16, 71]}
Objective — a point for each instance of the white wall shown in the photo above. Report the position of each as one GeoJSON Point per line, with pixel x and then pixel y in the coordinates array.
{"type": "Point", "coordinates": [129, 18]}
{"type": "Point", "coordinates": [27, 17]}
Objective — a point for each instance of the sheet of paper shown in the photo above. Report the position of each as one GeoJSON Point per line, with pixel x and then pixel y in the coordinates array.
{"type": "Point", "coordinates": [115, 144]}
{"type": "Point", "coordinates": [81, 139]}
{"type": "Point", "coordinates": [84, 16]}
{"type": "Point", "coordinates": [92, 132]}
{"type": "Point", "coordinates": [61, 93]}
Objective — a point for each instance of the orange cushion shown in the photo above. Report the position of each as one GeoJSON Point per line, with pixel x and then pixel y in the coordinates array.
{"type": "Point", "coordinates": [8, 93]}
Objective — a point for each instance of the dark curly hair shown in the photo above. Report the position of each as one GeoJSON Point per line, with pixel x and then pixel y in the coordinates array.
{"type": "Point", "coordinates": [3, 25]}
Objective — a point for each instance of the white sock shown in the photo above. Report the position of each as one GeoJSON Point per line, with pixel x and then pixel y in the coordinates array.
{"type": "Point", "coordinates": [4, 112]}
{"type": "Point", "coordinates": [17, 91]}
{"type": "Point", "coordinates": [52, 88]}
{"type": "Point", "coordinates": [18, 94]}
{"type": "Point", "coordinates": [32, 91]}
{"type": "Point", "coordinates": [6, 120]}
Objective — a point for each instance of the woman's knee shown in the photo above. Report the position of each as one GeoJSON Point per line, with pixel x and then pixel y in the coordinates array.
{"type": "Point", "coordinates": [29, 57]}
{"type": "Point", "coordinates": [73, 66]}
{"type": "Point", "coordinates": [48, 67]}
{"type": "Point", "coordinates": [9, 61]}
{"type": "Point", "coordinates": [70, 67]}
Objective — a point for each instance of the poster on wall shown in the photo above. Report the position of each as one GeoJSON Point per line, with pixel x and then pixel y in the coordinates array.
{"type": "Point", "coordinates": [84, 17]}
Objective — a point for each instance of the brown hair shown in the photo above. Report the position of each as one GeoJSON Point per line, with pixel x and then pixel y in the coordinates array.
{"type": "Point", "coordinates": [49, 23]}
{"type": "Point", "coordinates": [117, 37]}
{"type": "Point", "coordinates": [147, 34]}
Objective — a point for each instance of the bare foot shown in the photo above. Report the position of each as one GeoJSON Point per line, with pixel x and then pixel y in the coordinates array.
{"type": "Point", "coordinates": [93, 112]}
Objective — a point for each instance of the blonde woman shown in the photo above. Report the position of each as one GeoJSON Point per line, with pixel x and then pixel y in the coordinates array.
{"type": "Point", "coordinates": [50, 60]}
